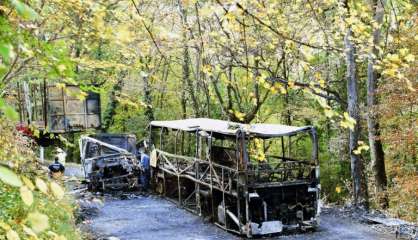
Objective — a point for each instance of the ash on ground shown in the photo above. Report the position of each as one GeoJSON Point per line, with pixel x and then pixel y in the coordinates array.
{"type": "Point", "coordinates": [377, 220]}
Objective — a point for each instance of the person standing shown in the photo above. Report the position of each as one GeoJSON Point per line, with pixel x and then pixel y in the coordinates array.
{"type": "Point", "coordinates": [145, 163]}
{"type": "Point", "coordinates": [62, 155]}
{"type": "Point", "coordinates": [56, 169]}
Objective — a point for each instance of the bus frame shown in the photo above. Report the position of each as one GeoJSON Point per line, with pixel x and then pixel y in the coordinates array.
{"type": "Point", "coordinates": [193, 165]}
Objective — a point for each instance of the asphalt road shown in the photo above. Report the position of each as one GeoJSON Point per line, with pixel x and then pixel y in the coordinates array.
{"type": "Point", "coordinates": [152, 218]}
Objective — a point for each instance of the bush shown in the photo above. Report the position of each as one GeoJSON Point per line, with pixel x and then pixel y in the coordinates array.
{"type": "Point", "coordinates": [31, 206]}
{"type": "Point", "coordinates": [403, 192]}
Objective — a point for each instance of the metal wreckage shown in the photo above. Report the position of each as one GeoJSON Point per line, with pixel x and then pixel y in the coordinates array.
{"type": "Point", "coordinates": [110, 161]}
{"type": "Point", "coordinates": [250, 179]}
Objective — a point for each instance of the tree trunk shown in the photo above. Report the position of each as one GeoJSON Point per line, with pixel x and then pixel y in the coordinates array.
{"type": "Point", "coordinates": [149, 112]}
{"type": "Point", "coordinates": [376, 148]}
{"type": "Point", "coordinates": [288, 113]}
{"type": "Point", "coordinates": [357, 166]}
{"type": "Point", "coordinates": [186, 62]}
{"type": "Point", "coordinates": [113, 102]}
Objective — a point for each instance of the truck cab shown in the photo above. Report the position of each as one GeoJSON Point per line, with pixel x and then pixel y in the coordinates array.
{"type": "Point", "coordinates": [110, 161]}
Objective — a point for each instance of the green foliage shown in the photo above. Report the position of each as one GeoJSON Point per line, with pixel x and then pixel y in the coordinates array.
{"type": "Point", "coordinates": [334, 177]}
{"type": "Point", "coordinates": [38, 208]}
{"type": "Point", "coordinates": [403, 192]}
{"type": "Point", "coordinates": [8, 111]}
{"type": "Point", "coordinates": [24, 10]}
{"type": "Point", "coordinates": [221, 60]}
{"type": "Point", "coordinates": [9, 177]}
{"type": "Point", "coordinates": [6, 51]}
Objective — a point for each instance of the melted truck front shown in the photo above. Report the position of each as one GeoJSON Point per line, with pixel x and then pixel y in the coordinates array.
{"type": "Point", "coordinates": [109, 161]}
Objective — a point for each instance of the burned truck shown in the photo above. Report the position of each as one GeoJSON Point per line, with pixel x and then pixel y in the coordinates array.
{"type": "Point", "coordinates": [110, 161]}
{"type": "Point", "coordinates": [250, 179]}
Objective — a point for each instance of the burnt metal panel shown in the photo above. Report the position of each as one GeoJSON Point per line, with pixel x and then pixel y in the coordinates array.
{"type": "Point", "coordinates": [228, 128]}
{"type": "Point", "coordinates": [221, 181]}
{"type": "Point", "coordinates": [109, 161]}
{"type": "Point", "coordinates": [67, 112]}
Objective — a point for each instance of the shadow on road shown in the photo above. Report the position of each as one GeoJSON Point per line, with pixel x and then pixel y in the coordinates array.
{"type": "Point", "coordinates": [151, 217]}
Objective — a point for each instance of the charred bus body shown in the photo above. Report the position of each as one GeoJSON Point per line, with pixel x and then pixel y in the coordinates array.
{"type": "Point", "coordinates": [110, 161]}
{"type": "Point", "coordinates": [248, 179]}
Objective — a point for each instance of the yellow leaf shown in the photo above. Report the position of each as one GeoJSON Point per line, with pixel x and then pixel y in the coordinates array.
{"type": "Point", "coordinates": [230, 16]}
{"type": "Point", "coordinates": [36, 133]}
{"type": "Point", "coordinates": [28, 183]}
{"type": "Point", "coordinates": [338, 189]}
{"type": "Point", "coordinates": [26, 195]}
{"type": "Point", "coordinates": [343, 124]}
{"type": "Point", "coordinates": [38, 221]}
{"type": "Point", "coordinates": [393, 58]}
{"type": "Point", "coordinates": [61, 67]}
{"type": "Point", "coordinates": [282, 90]}
{"type": "Point", "coordinates": [12, 235]}
{"type": "Point", "coordinates": [29, 231]}
{"type": "Point", "coordinates": [207, 68]}
{"type": "Point", "coordinates": [329, 113]}
{"type": "Point", "coordinates": [389, 72]}
{"type": "Point", "coordinates": [409, 85]}
{"type": "Point", "coordinates": [347, 122]}
{"type": "Point", "coordinates": [124, 34]}
{"type": "Point", "coordinates": [361, 147]}
{"type": "Point", "coordinates": [57, 191]}
{"type": "Point", "coordinates": [403, 51]}
{"type": "Point", "coordinates": [350, 20]}
{"type": "Point", "coordinates": [60, 237]}
{"type": "Point", "coordinates": [60, 85]}
{"type": "Point", "coordinates": [322, 83]}
{"type": "Point", "coordinates": [51, 234]}
{"type": "Point", "coordinates": [376, 67]}
{"type": "Point", "coordinates": [41, 185]}
{"type": "Point", "coordinates": [9, 177]}
{"type": "Point", "coordinates": [206, 11]}
{"type": "Point", "coordinates": [261, 156]}
{"type": "Point", "coordinates": [239, 115]}
{"type": "Point", "coordinates": [317, 75]}
{"type": "Point", "coordinates": [410, 58]}
{"type": "Point", "coordinates": [82, 95]}
{"type": "Point", "coordinates": [4, 225]}
{"type": "Point", "coordinates": [188, 2]}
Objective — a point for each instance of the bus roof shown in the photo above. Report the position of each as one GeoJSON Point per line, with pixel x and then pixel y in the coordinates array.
{"type": "Point", "coordinates": [263, 130]}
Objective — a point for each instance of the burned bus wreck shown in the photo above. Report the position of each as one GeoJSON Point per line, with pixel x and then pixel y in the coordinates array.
{"type": "Point", "coordinates": [109, 161]}
{"type": "Point", "coordinates": [253, 179]}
